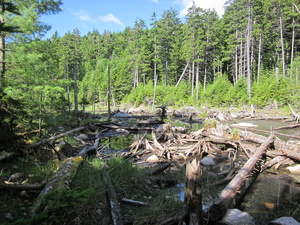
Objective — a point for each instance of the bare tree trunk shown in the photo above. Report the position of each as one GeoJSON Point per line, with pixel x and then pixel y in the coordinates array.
{"type": "Point", "coordinates": [241, 60]}
{"type": "Point", "coordinates": [114, 204]}
{"type": "Point", "coordinates": [282, 47]}
{"type": "Point", "coordinates": [197, 81]}
{"type": "Point", "coordinates": [259, 57]}
{"type": "Point", "coordinates": [218, 209]}
{"type": "Point", "coordinates": [2, 51]}
{"type": "Point", "coordinates": [236, 65]}
{"type": "Point", "coordinates": [75, 88]}
{"type": "Point", "coordinates": [193, 78]}
{"type": "Point", "coordinates": [193, 192]}
{"type": "Point", "coordinates": [155, 74]}
{"type": "Point", "coordinates": [182, 73]}
{"type": "Point", "coordinates": [292, 49]}
{"type": "Point", "coordinates": [205, 77]}
{"type": "Point", "coordinates": [109, 90]}
{"type": "Point", "coordinates": [248, 54]}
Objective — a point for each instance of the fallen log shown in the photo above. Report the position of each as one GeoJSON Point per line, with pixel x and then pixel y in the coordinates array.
{"type": "Point", "coordinates": [60, 180]}
{"type": "Point", "coordinates": [114, 204]}
{"type": "Point", "coordinates": [287, 127]}
{"type": "Point", "coordinates": [159, 169]}
{"type": "Point", "coordinates": [10, 186]}
{"type": "Point", "coordinates": [88, 149]}
{"type": "Point", "coordinates": [6, 155]}
{"type": "Point", "coordinates": [45, 141]}
{"type": "Point", "coordinates": [291, 154]}
{"type": "Point", "coordinates": [219, 207]}
{"type": "Point", "coordinates": [276, 133]}
{"type": "Point", "coordinates": [134, 202]}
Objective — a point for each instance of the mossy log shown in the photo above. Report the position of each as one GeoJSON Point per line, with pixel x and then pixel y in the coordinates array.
{"type": "Point", "coordinates": [61, 179]}
{"type": "Point", "coordinates": [219, 207]}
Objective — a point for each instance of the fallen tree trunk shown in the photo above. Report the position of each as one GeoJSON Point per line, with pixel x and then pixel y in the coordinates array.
{"type": "Point", "coordinates": [276, 133]}
{"type": "Point", "coordinates": [60, 180]}
{"type": "Point", "coordinates": [10, 186]}
{"type": "Point", "coordinates": [54, 137]}
{"type": "Point", "coordinates": [291, 154]}
{"type": "Point", "coordinates": [87, 149]}
{"type": "Point", "coordinates": [5, 155]}
{"type": "Point", "coordinates": [287, 127]}
{"type": "Point", "coordinates": [218, 209]}
{"type": "Point", "coordinates": [114, 204]}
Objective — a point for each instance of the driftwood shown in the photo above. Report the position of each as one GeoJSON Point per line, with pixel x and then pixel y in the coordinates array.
{"type": "Point", "coordinates": [287, 127]}
{"type": "Point", "coordinates": [61, 179]}
{"type": "Point", "coordinates": [295, 115]}
{"type": "Point", "coordinates": [130, 201]}
{"type": "Point", "coordinates": [291, 154]}
{"type": "Point", "coordinates": [6, 155]}
{"type": "Point", "coordinates": [88, 149]}
{"type": "Point", "coordinates": [11, 185]}
{"type": "Point", "coordinates": [114, 204]}
{"type": "Point", "coordinates": [45, 141]}
{"type": "Point", "coordinates": [276, 133]}
{"type": "Point", "coordinates": [218, 209]}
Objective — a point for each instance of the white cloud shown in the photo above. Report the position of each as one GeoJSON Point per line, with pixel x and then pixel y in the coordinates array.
{"type": "Point", "coordinates": [110, 18]}
{"type": "Point", "coordinates": [155, 1]}
{"type": "Point", "coordinates": [218, 5]}
{"type": "Point", "coordinates": [84, 16]}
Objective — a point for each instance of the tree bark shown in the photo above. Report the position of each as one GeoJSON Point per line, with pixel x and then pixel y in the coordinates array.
{"type": "Point", "coordinates": [114, 204]}
{"type": "Point", "coordinates": [87, 149]}
{"type": "Point", "coordinates": [282, 46]}
{"type": "Point", "coordinates": [193, 192]}
{"type": "Point", "coordinates": [61, 179]}
{"type": "Point", "coordinates": [75, 88]}
{"type": "Point", "coordinates": [218, 209]}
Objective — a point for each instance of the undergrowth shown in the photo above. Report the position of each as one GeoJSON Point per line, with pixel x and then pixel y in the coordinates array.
{"type": "Point", "coordinates": [85, 200]}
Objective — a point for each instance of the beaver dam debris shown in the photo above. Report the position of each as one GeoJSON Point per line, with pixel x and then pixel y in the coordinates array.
{"type": "Point", "coordinates": [162, 146]}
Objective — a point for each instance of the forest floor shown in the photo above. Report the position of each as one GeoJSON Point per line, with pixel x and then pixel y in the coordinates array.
{"type": "Point", "coordinates": [145, 175]}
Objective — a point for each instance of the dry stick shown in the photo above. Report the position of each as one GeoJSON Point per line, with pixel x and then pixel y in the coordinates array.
{"type": "Point", "coordinates": [269, 132]}
{"type": "Point", "coordinates": [114, 204]}
{"type": "Point", "coordinates": [87, 149]}
{"type": "Point", "coordinates": [54, 137]}
{"type": "Point", "coordinates": [287, 127]}
{"type": "Point", "coordinates": [134, 202]}
{"type": "Point", "coordinates": [218, 209]}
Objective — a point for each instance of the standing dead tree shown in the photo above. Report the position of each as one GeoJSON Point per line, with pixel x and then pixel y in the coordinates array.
{"type": "Point", "coordinates": [295, 115]}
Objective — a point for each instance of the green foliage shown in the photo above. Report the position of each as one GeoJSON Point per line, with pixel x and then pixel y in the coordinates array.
{"type": "Point", "coordinates": [216, 93]}
{"type": "Point", "coordinates": [269, 89]}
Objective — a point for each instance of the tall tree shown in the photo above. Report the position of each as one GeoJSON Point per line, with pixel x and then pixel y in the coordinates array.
{"type": "Point", "coordinates": [168, 27]}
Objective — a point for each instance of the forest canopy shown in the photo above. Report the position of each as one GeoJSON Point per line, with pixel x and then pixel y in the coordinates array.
{"type": "Point", "coordinates": [248, 56]}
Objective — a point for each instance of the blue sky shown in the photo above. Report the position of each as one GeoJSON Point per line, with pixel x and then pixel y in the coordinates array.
{"type": "Point", "coordinates": [115, 15]}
